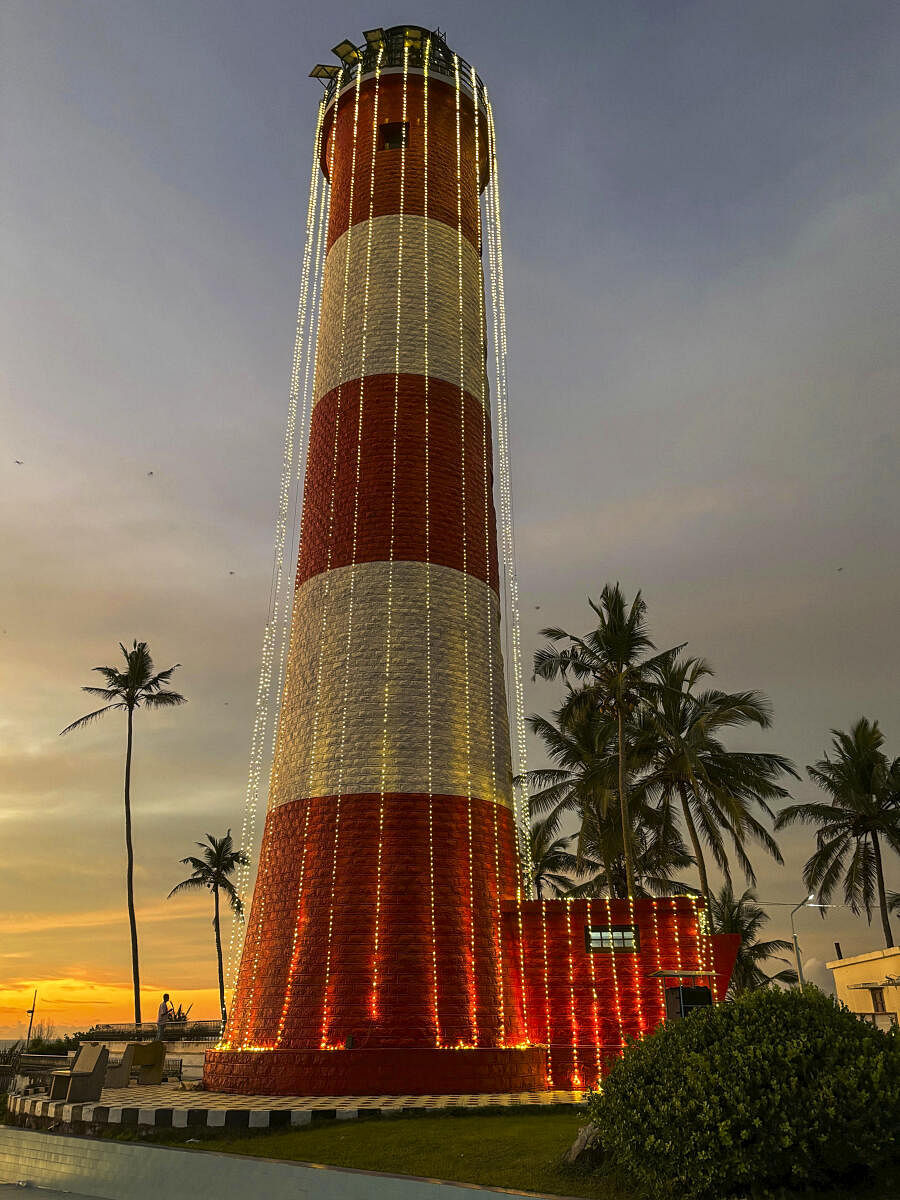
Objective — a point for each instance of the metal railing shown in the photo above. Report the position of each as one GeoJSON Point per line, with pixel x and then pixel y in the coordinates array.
{"type": "Point", "coordinates": [412, 39]}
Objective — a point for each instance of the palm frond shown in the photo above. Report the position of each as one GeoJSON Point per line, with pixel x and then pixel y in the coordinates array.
{"type": "Point", "coordinates": [88, 718]}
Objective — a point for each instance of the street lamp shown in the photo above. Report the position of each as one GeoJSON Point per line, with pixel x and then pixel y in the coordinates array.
{"type": "Point", "coordinates": [29, 1012]}
{"type": "Point", "coordinates": [809, 902]}
{"type": "Point", "coordinates": [803, 904]}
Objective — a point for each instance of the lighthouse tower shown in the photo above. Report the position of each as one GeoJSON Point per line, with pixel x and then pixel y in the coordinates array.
{"type": "Point", "coordinates": [376, 955]}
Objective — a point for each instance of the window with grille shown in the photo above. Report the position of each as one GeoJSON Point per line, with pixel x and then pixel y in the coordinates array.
{"type": "Point", "coordinates": [878, 1000]}
{"type": "Point", "coordinates": [394, 135]}
{"type": "Point", "coordinates": [600, 938]}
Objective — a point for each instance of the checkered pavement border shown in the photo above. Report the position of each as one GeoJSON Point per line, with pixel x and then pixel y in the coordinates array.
{"type": "Point", "coordinates": [167, 1107]}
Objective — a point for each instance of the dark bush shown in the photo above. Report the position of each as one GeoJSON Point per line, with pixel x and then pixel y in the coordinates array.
{"type": "Point", "coordinates": [777, 1089]}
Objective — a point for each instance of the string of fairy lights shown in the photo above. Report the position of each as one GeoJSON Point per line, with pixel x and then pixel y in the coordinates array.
{"type": "Point", "coordinates": [432, 889]}
{"type": "Point", "coordinates": [513, 624]}
{"type": "Point", "coordinates": [336, 851]}
{"type": "Point", "coordinates": [303, 341]}
{"type": "Point", "coordinates": [486, 502]}
{"type": "Point", "coordinates": [471, 964]}
{"type": "Point", "coordinates": [376, 940]}
{"type": "Point", "coordinates": [313, 357]}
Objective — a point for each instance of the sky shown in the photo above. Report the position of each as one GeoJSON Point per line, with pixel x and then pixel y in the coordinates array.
{"type": "Point", "coordinates": [701, 213]}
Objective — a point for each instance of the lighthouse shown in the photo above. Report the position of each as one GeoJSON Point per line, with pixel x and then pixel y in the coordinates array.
{"type": "Point", "coordinates": [393, 945]}
{"type": "Point", "coordinates": [389, 847]}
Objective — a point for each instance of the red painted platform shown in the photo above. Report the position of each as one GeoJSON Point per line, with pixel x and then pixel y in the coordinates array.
{"type": "Point", "coordinates": [376, 1070]}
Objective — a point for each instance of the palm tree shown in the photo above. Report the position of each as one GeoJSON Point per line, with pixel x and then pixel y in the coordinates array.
{"type": "Point", "coordinates": [864, 811]}
{"type": "Point", "coordinates": [135, 687]}
{"type": "Point", "coordinates": [552, 861]}
{"type": "Point", "coordinates": [742, 915]}
{"type": "Point", "coordinates": [614, 674]}
{"type": "Point", "coordinates": [213, 871]}
{"type": "Point", "coordinates": [581, 741]}
{"type": "Point", "coordinates": [688, 764]}
{"type": "Point", "coordinates": [658, 852]}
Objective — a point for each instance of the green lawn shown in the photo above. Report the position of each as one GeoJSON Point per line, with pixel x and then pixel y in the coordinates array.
{"type": "Point", "coordinates": [516, 1150]}
{"type": "Point", "coordinates": [513, 1150]}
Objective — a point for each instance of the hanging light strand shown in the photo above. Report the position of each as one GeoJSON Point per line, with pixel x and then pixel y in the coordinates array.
{"type": "Point", "coordinates": [514, 656]}
{"type": "Point", "coordinates": [349, 640]}
{"type": "Point", "coordinates": [471, 966]}
{"type": "Point", "coordinates": [373, 1003]}
{"type": "Point", "coordinates": [264, 698]}
{"type": "Point", "coordinates": [491, 630]}
{"type": "Point", "coordinates": [524, 869]}
{"type": "Point", "coordinates": [428, 680]}
{"type": "Point", "coordinates": [309, 378]}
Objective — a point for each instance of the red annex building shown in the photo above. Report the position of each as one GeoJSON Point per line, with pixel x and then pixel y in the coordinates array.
{"type": "Point", "coordinates": [390, 946]}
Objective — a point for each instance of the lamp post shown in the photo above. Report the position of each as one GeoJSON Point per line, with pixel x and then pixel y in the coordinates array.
{"type": "Point", "coordinates": [30, 1014]}
{"type": "Point", "coordinates": [803, 904]}
{"type": "Point", "coordinates": [809, 902]}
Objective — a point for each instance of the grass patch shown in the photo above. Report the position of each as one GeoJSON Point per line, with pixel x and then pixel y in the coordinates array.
{"type": "Point", "coordinates": [499, 1148]}
{"type": "Point", "coordinates": [521, 1151]}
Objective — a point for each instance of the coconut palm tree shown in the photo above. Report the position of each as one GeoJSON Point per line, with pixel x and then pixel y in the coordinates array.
{"type": "Point", "coordinates": [137, 686]}
{"type": "Point", "coordinates": [609, 663]}
{"type": "Point", "coordinates": [744, 916]}
{"type": "Point", "coordinates": [658, 849]}
{"type": "Point", "coordinates": [716, 789]}
{"type": "Point", "coordinates": [213, 872]}
{"type": "Point", "coordinates": [581, 741]}
{"type": "Point", "coordinates": [862, 819]}
{"type": "Point", "coordinates": [553, 863]}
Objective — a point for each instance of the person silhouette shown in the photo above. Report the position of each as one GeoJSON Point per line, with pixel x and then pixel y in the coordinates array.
{"type": "Point", "coordinates": [165, 1013]}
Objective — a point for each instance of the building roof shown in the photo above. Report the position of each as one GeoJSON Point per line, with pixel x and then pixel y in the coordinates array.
{"type": "Point", "coordinates": [872, 956]}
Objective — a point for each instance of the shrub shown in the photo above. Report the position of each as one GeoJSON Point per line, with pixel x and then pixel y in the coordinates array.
{"type": "Point", "coordinates": [777, 1089]}
{"type": "Point", "coordinates": [51, 1044]}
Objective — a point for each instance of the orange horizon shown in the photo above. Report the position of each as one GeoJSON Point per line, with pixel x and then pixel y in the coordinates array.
{"type": "Point", "coordinates": [73, 1005]}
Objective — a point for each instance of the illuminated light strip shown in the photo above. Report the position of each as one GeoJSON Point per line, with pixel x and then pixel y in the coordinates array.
{"type": "Point", "coordinates": [356, 492]}
{"type": "Point", "coordinates": [679, 963]}
{"type": "Point", "coordinates": [573, 1022]}
{"type": "Point", "coordinates": [311, 357]}
{"type": "Point", "coordinates": [595, 1015]}
{"type": "Point", "coordinates": [659, 965]}
{"type": "Point", "coordinates": [542, 917]}
{"type": "Point", "coordinates": [390, 598]}
{"type": "Point", "coordinates": [485, 453]}
{"type": "Point", "coordinates": [615, 975]}
{"type": "Point", "coordinates": [325, 606]}
{"type": "Point", "coordinates": [473, 994]}
{"type": "Point", "coordinates": [514, 660]}
{"type": "Point", "coordinates": [524, 875]}
{"type": "Point", "coordinates": [705, 961]}
{"type": "Point", "coordinates": [636, 967]}
{"type": "Point", "coordinates": [261, 721]}
{"type": "Point", "coordinates": [324, 213]}
{"type": "Point", "coordinates": [507, 521]}
{"type": "Point", "coordinates": [247, 839]}
{"type": "Point", "coordinates": [434, 971]}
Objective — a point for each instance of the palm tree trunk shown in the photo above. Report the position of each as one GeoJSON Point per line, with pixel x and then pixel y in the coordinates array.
{"type": "Point", "coordinates": [219, 954]}
{"type": "Point", "coordinates": [698, 852]}
{"type": "Point", "coordinates": [129, 852]}
{"type": "Point", "coordinates": [882, 898]}
{"type": "Point", "coordinates": [623, 805]}
{"type": "Point", "coordinates": [607, 869]}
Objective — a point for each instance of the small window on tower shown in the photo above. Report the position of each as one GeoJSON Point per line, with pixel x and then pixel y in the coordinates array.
{"type": "Point", "coordinates": [394, 135]}
{"type": "Point", "coordinates": [599, 938]}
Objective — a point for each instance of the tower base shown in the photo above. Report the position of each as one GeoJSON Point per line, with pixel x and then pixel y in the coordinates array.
{"type": "Point", "coordinates": [377, 1071]}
